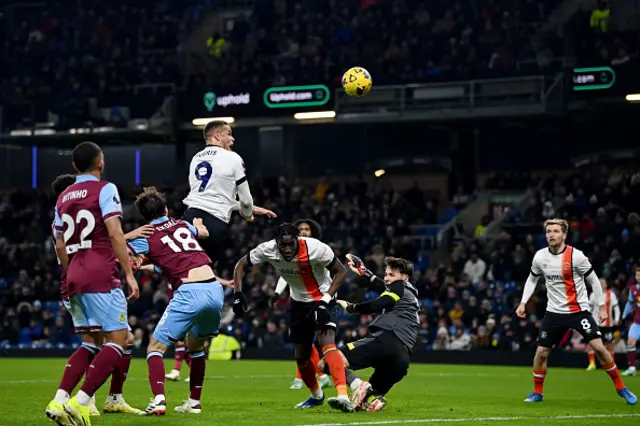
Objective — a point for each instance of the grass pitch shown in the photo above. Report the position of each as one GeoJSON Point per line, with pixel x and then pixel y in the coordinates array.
{"type": "Point", "coordinates": [257, 393]}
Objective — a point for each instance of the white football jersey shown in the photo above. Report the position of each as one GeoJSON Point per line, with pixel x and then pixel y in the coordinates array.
{"type": "Point", "coordinates": [611, 304]}
{"type": "Point", "coordinates": [214, 176]}
{"type": "Point", "coordinates": [306, 274]}
{"type": "Point", "coordinates": [564, 278]}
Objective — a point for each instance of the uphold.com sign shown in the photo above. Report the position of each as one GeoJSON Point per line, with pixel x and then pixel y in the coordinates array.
{"type": "Point", "coordinates": [297, 96]}
{"type": "Point", "coordinates": [211, 100]}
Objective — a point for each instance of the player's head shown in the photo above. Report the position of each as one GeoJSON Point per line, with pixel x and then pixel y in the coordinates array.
{"type": "Point", "coordinates": [287, 240]}
{"type": "Point", "coordinates": [87, 158]}
{"type": "Point", "coordinates": [556, 231]}
{"type": "Point", "coordinates": [218, 133]}
{"type": "Point", "coordinates": [638, 274]}
{"type": "Point", "coordinates": [308, 228]}
{"type": "Point", "coordinates": [151, 204]}
{"type": "Point", "coordinates": [397, 269]}
{"type": "Point", "coordinates": [61, 183]}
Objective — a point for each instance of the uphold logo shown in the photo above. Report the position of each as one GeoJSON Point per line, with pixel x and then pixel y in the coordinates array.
{"type": "Point", "coordinates": [211, 100]}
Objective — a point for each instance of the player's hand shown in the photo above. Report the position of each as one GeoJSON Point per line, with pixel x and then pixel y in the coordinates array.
{"type": "Point", "coordinates": [225, 283]}
{"type": "Point", "coordinates": [261, 211]}
{"type": "Point", "coordinates": [248, 218]}
{"type": "Point", "coordinates": [142, 232]}
{"type": "Point", "coordinates": [602, 313]}
{"type": "Point", "coordinates": [240, 306]}
{"type": "Point", "coordinates": [134, 291]}
{"type": "Point", "coordinates": [321, 313]}
{"type": "Point", "coordinates": [357, 266]}
{"type": "Point", "coordinates": [273, 300]}
{"type": "Point", "coordinates": [522, 310]}
{"type": "Point", "coordinates": [197, 221]}
{"type": "Point", "coordinates": [346, 306]}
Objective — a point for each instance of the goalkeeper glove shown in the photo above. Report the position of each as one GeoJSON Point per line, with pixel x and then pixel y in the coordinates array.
{"type": "Point", "coordinates": [357, 266]}
{"type": "Point", "coordinates": [239, 303]}
{"type": "Point", "coordinates": [346, 306]}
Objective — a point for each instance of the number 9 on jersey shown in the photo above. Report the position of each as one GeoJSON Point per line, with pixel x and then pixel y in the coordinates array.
{"type": "Point", "coordinates": [203, 174]}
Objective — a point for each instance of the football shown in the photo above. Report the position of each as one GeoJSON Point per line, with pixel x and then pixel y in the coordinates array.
{"type": "Point", "coordinates": [357, 81]}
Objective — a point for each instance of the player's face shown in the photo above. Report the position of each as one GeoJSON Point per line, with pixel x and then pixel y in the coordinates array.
{"type": "Point", "coordinates": [638, 275]}
{"type": "Point", "coordinates": [288, 246]}
{"type": "Point", "coordinates": [305, 230]}
{"type": "Point", "coordinates": [225, 137]}
{"type": "Point", "coordinates": [555, 236]}
{"type": "Point", "coordinates": [604, 285]}
{"type": "Point", "coordinates": [391, 275]}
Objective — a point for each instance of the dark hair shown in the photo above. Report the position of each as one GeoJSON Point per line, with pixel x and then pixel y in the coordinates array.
{"type": "Point", "coordinates": [61, 183]}
{"type": "Point", "coordinates": [286, 229]}
{"type": "Point", "coordinates": [151, 204]}
{"type": "Point", "coordinates": [211, 127]}
{"type": "Point", "coordinates": [316, 229]}
{"type": "Point", "coordinates": [85, 155]}
{"type": "Point", "coordinates": [399, 264]}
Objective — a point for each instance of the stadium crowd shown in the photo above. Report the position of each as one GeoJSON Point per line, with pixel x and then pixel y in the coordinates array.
{"type": "Point", "coordinates": [467, 301]}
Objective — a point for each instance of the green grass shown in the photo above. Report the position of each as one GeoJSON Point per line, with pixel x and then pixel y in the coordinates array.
{"type": "Point", "coordinates": [257, 393]}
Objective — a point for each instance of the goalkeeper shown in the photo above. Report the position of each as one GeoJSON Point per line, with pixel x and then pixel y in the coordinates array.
{"type": "Point", "coordinates": [392, 334]}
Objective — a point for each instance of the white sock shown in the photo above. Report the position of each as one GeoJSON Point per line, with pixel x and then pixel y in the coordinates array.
{"type": "Point", "coordinates": [158, 399]}
{"type": "Point", "coordinates": [61, 396]}
{"type": "Point", "coordinates": [83, 398]}
{"type": "Point", "coordinates": [116, 396]}
{"type": "Point", "coordinates": [322, 376]}
{"type": "Point", "coordinates": [317, 394]}
{"type": "Point", "coordinates": [193, 402]}
{"type": "Point", "coordinates": [355, 384]}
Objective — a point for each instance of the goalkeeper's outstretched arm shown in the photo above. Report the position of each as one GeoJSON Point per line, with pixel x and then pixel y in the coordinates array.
{"type": "Point", "coordinates": [387, 300]}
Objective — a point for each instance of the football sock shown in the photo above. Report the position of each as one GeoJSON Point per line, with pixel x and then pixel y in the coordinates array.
{"type": "Point", "coordinates": [350, 376]}
{"type": "Point", "coordinates": [336, 368]}
{"type": "Point", "coordinates": [77, 365]}
{"type": "Point", "coordinates": [180, 351]}
{"type": "Point", "coordinates": [120, 372]}
{"type": "Point", "coordinates": [538, 380]}
{"type": "Point", "coordinates": [612, 371]}
{"type": "Point", "coordinates": [308, 375]}
{"type": "Point", "coordinates": [592, 358]}
{"type": "Point", "coordinates": [298, 376]}
{"type": "Point", "coordinates": [315, 359]}
{"type": "Point", "coordinates": [631, 355]}
{"type": "Point", "coordinates": [196, 375]}
{"type": "Point", "coordinates": [155, 362]}
{"type": "Point", "coordinates": [101, 368]}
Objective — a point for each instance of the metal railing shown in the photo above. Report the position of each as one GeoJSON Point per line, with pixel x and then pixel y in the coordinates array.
{"type": "Point", "coordinates": [468, 95]}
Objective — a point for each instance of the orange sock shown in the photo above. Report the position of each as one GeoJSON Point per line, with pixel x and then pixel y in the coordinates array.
{"type": "Point", "coordinates": [612, 371]}
{"type": "Point", "coordinates": [315, 359]}
{"type": "Point", "coordinates": [592, 358]}
{"type": "Point", "coordinates": [308, 375]}
{"type": "Point", "coordinates": [538, 380]}
{"type": "Point", "coordinates": [298, 376]}
{"type": "Point", "coordinates": [336, 368]}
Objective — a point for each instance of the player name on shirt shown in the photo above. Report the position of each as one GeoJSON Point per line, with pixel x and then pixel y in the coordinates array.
{"type": "Point", "coordinates": [75, 195]}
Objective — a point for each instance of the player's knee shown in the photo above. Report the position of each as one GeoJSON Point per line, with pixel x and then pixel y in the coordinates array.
{"type": "Point", "coordinates": [542, 352]}
{"type": "Point", "coordinates": [130, 339]}
{"type": "Point", "coordinates": [194, 344]}
{"type": "Point", "coordinates": [156, 346]}
{"type": "Point", "coordinates": [632, 342]}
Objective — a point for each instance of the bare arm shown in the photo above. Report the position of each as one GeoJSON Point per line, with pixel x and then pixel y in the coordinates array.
{"type": "Point", "coordinates": [238, 273]}
{"type": "Point", "coordinates": [202, 230]}
{"type": "Point", "coordinates": [119, 243]}
{"type": "Point", "coordinates": [61, 251]}
{"type": "Point", "coordinates": [339, 273]}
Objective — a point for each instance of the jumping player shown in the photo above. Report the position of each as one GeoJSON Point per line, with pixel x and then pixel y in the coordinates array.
{"type": "Point", "coordinates": [115, 402]}
{"type": "Point", "coordinates": [305, 264]}
{"type": "Point", "coordinates": [566, 271]}
{"type": "Point", "coordinates": [89, 238]}
{"type": "Point", "coordinates": [609, 325]}
{"type": "Point", "coordinates": [392, 334]}
{"type": "Point", "coordinates": [633, 305]}
{"type": "Point", "coordinates": [216, 177]}
{"type": "Point", "coordinates": [194, 311]}
{"type": "Point", "coordinates": [308, 228]}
